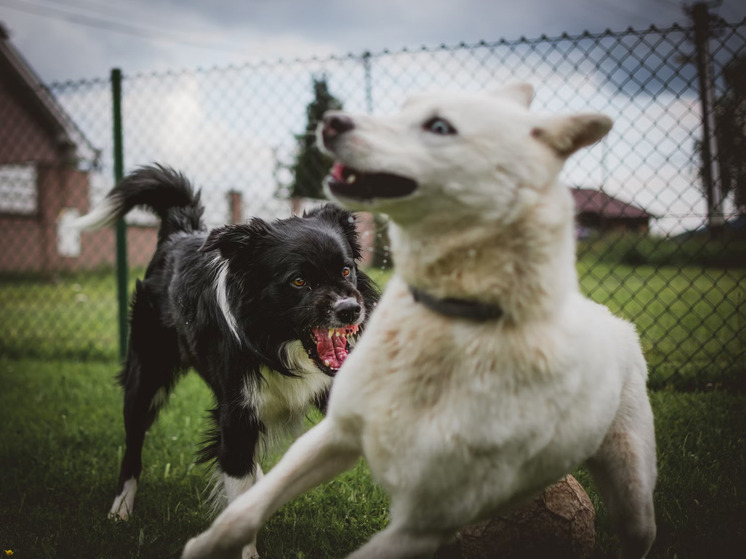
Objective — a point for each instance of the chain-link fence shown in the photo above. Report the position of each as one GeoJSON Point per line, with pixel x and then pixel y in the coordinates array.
{"type": "Point", "coordinates": [661, 234]}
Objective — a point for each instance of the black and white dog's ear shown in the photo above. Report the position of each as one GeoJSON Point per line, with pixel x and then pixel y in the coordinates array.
{"type": "Point", "coordinates": [232, 239]}
{"type": "Point", "coordinates": [345, 220]}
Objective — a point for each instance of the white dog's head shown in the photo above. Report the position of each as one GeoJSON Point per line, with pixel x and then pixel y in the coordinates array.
{"type": "Point", "coordinates": [454, 155]}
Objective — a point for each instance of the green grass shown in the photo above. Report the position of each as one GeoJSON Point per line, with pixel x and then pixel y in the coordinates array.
{"type": "Point", "coordinates": [699, 498]}
{"type": "Point", "coordinates": [691, 320]}
{"type": "Point", "coordinates": [74, 317]}
{"type": "Point", "coordinates": [60, 446]}
{"type": "Point", "coordinates": [61, 437]}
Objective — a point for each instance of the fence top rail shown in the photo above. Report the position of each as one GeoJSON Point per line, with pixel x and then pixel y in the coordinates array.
{"type": "Point", "coordinates": [719, 25]}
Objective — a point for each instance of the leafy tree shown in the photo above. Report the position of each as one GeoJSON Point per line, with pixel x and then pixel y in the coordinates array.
{"type": "Point", "coordinates": [730, 132]}
{"type": "Point", "coordinates": [730, 126]}
{"type": "Point", "coordinates": [311, 166]}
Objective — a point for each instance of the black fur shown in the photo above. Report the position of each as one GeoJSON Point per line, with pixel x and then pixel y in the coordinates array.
{"type": "Point", "coordinates": [177, 321]}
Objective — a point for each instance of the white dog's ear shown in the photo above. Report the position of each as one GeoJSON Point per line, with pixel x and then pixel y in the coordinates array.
{"type": "Point", "coordinates": [521, 93]}
{"type": "Point", "coordinates": [566, 135]}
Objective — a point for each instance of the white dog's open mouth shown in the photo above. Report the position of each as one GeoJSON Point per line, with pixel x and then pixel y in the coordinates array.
{"type": "Point", "coordinates": [349, 183]}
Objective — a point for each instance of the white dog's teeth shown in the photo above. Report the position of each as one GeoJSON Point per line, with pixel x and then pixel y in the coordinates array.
{"type": "Point", "coordinates": [327, 362]}
{"type": "Point", "coordinates": [351, 179]}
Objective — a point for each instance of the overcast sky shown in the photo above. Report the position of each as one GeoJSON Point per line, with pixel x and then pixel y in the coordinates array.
{"type": "Point", "coordinates": [73, 39]}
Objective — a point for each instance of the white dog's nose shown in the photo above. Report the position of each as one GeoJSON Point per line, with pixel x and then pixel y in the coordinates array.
{"type": "Point", "coordinates": [335, 124]}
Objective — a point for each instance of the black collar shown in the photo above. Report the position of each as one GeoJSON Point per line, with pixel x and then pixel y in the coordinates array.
{"type": "Point", "coordinates": [458, 308]}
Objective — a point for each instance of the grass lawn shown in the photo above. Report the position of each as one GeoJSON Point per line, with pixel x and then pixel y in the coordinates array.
{"type": "Point", "coordinates": [692, 321]}
{"type": "Point", "coordinates": [61, 437]}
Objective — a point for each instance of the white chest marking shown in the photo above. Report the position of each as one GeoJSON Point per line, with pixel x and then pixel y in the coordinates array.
{"type": "Point", "coordinates": [221, 293]}
{"type": "Point", "coordinates": [281, 402]}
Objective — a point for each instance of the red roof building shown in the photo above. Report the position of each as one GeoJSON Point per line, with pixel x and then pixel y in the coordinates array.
{"type": "Point", "coordinates": [597, 211]}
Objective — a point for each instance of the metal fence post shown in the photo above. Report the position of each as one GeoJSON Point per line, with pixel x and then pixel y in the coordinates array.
{"type": "Point", "coordinates": [710, 159]}
{"type": "Point", "coordinates": [368, 83]}
{"type": "Point", "coordinates": [121, 226]}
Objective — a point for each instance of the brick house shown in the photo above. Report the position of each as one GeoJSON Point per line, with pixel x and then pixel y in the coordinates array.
{"type": "Point", "coordinates": [45, 172]}
{"type": "Point", "coordinates": [599, 212]}
{"type": "Point", "coordinates": [46, 169]}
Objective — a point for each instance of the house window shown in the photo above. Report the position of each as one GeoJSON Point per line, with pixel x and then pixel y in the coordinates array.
{"type": "Point", "coordinates": [68, 237]}
{"type": "Point", "coordinates": [18, 189]}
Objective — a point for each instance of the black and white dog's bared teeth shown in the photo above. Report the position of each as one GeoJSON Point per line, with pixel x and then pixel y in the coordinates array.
{"type": "Point", "coordinates": [329, 347]}
{"type": "Point", "coordinates": [349, 183]}
{"type": "Point", "coordinates": [221, 303]}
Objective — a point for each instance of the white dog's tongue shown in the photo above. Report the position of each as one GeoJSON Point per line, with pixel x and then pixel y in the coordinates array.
{"type": "Point", "coordinates": [332, 349]}
{"type": "Point", "coordinates": [337, 172]}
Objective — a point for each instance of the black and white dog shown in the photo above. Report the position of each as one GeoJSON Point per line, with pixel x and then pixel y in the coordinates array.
{"type": "Point", "coordinates": [265, 312]}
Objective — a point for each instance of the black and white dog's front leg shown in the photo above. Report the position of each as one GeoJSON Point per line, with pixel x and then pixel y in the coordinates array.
{"type": "Point", "coordinates": [319, 455]}
{"type": "Point", "coordinates": [240, 431]}
{"type": "Point", "coordinates": [233, 487]}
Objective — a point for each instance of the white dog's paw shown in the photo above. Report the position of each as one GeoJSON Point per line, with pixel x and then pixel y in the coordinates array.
{"type": "Point", "coordinates": [205, 546]}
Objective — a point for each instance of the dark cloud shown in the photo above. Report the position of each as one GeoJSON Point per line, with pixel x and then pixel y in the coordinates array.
{"type": "Point", "coordinates": [154, 35]}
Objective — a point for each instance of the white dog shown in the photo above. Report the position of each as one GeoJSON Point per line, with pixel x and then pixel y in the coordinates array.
{"type": "Point", "coordinates": [484, 374]}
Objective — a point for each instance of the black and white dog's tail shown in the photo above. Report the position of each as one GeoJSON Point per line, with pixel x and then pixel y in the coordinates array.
{"type": "Point", "coordinates": [163, 190]}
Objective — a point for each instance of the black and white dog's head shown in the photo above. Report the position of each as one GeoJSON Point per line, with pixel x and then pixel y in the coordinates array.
{"type": "Point", "coordinates": [292, 290]}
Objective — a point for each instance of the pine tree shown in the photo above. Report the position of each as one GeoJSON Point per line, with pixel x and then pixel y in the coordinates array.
{"type": "Point", "coordinates": [730, 120]}
{"type": "Point", "coordinates": [311, 166]}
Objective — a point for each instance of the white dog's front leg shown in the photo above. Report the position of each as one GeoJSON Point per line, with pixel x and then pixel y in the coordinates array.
{"type": "Point", "coordinates": [625, 472]}
{"type": "Point", "coordinates": [315, 457]}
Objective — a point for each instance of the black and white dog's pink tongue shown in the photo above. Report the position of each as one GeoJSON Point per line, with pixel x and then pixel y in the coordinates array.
{"type": "Point", "coordinates": [332, 349]}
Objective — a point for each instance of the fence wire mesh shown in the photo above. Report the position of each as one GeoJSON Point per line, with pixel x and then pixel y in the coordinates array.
{"type": "Point", "coordinates": [654, 244]}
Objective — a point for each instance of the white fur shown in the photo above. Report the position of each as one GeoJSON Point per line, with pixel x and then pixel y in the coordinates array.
{"type": "Point", "coordinates": [102, 215]}
{"type": "Point", "coordinates": [160, 398]}
{"type": "Point", "coordinates": [230, 489]}
{"type": "Point", "coordinates": [459, 420]}
{"type": "Point", "coordinates": [124, 502]}
{"type": "Point", "coordinates": [221, 292]}
{"type": "Point", "coordinates": [282, 401]}
{"type": "Point", "coordinates": [281, 404]}
{"type": "Point", "coordinates": [234, 486]}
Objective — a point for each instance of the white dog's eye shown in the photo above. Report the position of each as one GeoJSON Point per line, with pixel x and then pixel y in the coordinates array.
{"type": "Point", "coordinates": [438, 125]}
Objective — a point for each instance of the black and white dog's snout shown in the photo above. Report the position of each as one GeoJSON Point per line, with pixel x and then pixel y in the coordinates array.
{"type": "Point", "coordinates": [347, 310]}
{"type": "Point", "coordinates": [335, 124]}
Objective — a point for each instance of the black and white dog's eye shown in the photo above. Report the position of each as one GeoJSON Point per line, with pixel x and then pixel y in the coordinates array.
{"type": "Point", "coordinates": [439, 126]}
{"type": "Point", "coordinates": [299, 282]}
{"type": "Point", "coordinates": [346, 271]}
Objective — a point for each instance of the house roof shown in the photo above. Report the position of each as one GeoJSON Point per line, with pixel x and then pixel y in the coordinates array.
{"type": "Point", "coordinates": [46, 105]}
{"type": "Point", "coordinates": [594, 201]}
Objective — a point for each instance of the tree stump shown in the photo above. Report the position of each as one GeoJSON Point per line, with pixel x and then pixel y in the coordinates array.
{"type": "Point", "coordinates": [557, 524]}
